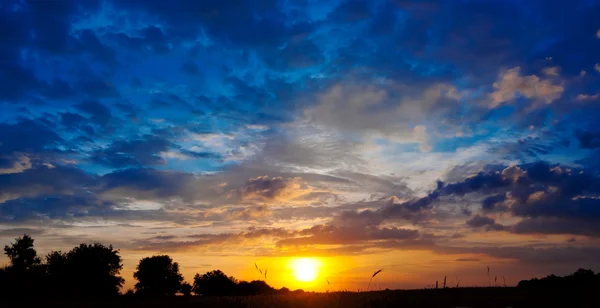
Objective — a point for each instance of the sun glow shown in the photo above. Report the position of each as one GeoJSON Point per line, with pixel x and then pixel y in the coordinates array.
{"type": "Point", "coordinates": [305, 269]}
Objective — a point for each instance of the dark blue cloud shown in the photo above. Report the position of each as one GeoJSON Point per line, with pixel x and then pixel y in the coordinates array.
{"type": "Point", "coordinates": [556, 205]}
{"type": "Point", "coordinates": [44, 193]}
{"type": "Point", "coordinates": [16, 80]}
{"type": "Point", "coordinates": [163, 183]}
{"type": "Point", "coordinates": [28, 136]}
{"type": "Point", "coordinates": [90, 44]}
{"type": "Point", "coordinates": [200, 155]}
{"type": "Point", "coordinates": [63, 207]}
{"type": "Point", "coordinates": [297, 55]}
{"type": "Point", "coordinates": [151, 39]}
{"type": "Point", "coordinates": [350, 11]}
{"type": "Point", "coordinates": [98, 112]}
{"type": "Point", "coordinates": [480, 182]}
{"type": "Point", "coordinates": [36, 26]}
{"type": "Point", "coordinates": [59, 89]}
{"type": "Point", "coordinates": [537, 192]}
{"type": "Point", "coordinates": [45, 181]}
{"type": "Point", "coordinates": [479, 221]}
{"type": "Point", "coordinates": [52, 31]}
{"type": "Point", "coordinates": [230, 23]}
{"type": "Point", "coordinates": [96, 87]}
{"type": "Point", "coordinates": [190, 68]}
{"type": "Point", "coordinates": [491, 203]}
{"type": "Point", "coordinates": [72, 120]}
{"type": "Point", "coordinates": [553, 199]}
{"type": "Point", "coordinates": [588, 139]}
{"type": "Point", "coordinates": [143, 151]}
{"type": "Point", "coordinates": [545, 225]}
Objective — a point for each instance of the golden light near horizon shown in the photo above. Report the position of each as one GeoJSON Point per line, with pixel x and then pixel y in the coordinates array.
{"type": "Point", "coordinates": [305, 269]}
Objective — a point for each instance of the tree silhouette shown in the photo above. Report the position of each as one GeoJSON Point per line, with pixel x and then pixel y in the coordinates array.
{"type": "Point", "coordinates": [254, 287]}
{"type": "Point", "coordinates": [56, 272]}
{"type": "Point", "coordinates": [186, 289]}
{"type": "Point", "coordinates": [158, 276]}
{"type": "Point", "coordinates": [582, 278]}
{"type": "Point", "coordinates": [214, 283]}
{"type": "Point", "coordinates": [25, 271]}
{"type": "Point", "coordinates": [92, 270]}
{"type": "Point", "coordinates": [21, 253]}
{"type": "Point", "coordinates": [56, 263]}
{"type": "Point", "coordinates": [86, 270]}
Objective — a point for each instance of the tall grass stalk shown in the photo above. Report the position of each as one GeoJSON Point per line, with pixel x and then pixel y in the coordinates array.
{"type": "Point", "coordinates": [373, 276]}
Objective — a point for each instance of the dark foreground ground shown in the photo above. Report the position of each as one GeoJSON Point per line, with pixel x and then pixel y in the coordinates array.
{"type": "Point", "coordinates": [461, 297]}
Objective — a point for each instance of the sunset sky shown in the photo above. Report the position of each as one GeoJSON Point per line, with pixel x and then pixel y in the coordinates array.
{"type": "Point", "coordinates": [426, 138]}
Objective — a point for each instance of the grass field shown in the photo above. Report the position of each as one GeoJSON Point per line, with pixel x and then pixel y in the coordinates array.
{"type": "Point", "coordinates": [456, 297]}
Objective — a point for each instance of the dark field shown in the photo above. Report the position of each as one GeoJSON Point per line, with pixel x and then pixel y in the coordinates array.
{"type": "Point", "coordinates": [461, 297]}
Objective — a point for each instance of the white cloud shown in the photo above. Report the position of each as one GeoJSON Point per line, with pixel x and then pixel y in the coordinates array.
{"type": "Point", "coordinates": [352, 108]}
{"type": "Point", "coordinates": [513, 172]}
{"type": "Point", "coordinates": [140, 205]}
{"type": "Point", "coordinates": [23, 164]}
{"type": "Point", "coordinates": [511, 84]}
{"type": "Point", "coordinates": [551, 71]}
{"type": "Point", "coordinates": [212, 139]}
{"type": "Point", "coordinates": [597, 67]}
{"type": "Point", "coordinates": [256, 127]}
{"type": "Point", "coordinates": [310, 147]}
{"type": "Point", "coordinates": [598, 33]}
{"type": "Point", "coordinates": [536, 197]}
{"type": "Point", "coordinates": [174, 155]}
{"type": "Point", "coordinates": [373, 130]}
{"type": "Point", "coordinates": [586, 97]}
{"type": "Point", "coordinates": [392, 110]}
{"type": "Point", "coordinates": [420, 134]}
{"type": "Point", "coordinates": [231, 146]}
{"type": "Point", "coordinates": [582, 73]}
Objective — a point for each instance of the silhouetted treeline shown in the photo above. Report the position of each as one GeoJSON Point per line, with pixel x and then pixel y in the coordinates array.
{"type": "Point", "coordinates": [582, 278]}
{"type": "Point", "coordinates": [216, 283]}
{"type": "Point", "coordinates": [92, 270]}
{"type": "Point", "coordinates": [86, 270]}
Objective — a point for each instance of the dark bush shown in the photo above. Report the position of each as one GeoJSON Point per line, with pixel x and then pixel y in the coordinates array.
{"type": "Point", "coordinates": [158, 276]}
{"type": "Point", "coordinates": [214, 283]}
{"type": "Point", "coordinates": [582, 278]}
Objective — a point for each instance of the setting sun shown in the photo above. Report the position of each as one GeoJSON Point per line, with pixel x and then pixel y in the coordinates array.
{"type": "Point", "coordinates": [305, 269]}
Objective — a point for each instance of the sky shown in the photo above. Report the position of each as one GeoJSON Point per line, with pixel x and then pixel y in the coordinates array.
{"type": "Point", "coordinates": [426, 138]}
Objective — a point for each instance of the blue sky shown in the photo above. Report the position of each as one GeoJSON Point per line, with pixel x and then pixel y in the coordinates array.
{"type": "Point", "coordinates": [365, 130]}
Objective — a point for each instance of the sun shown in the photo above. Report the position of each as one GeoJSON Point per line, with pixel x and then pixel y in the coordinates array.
{"type": "Point", "coordinates": [305, 269]}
